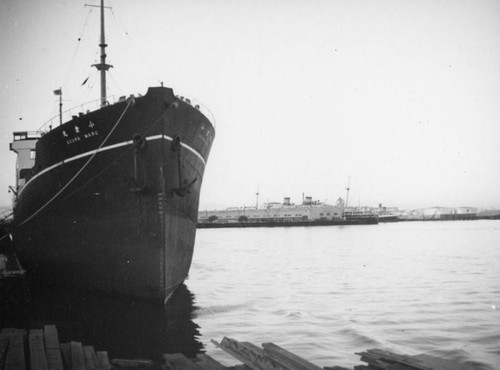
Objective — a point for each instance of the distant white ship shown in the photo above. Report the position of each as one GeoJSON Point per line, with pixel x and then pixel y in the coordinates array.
{"type": "Point", "coordinates": [309, 212]}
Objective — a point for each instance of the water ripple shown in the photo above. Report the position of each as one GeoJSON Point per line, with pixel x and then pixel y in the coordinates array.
{"type": "Point", "coordinates": [407, 287]}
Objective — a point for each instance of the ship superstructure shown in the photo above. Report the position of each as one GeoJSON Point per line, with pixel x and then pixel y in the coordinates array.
{"type": "Point", "coordinates": [277, 212]}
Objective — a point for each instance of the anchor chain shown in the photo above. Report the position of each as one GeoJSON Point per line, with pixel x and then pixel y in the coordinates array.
{"type": "Point", "coordinates": [184, 185]}
{"type": "Point", "coordinates": [140, 145]}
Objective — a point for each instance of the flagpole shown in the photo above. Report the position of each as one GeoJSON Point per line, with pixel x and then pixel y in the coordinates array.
{"type": "Point", "coordinates": [60, 106]}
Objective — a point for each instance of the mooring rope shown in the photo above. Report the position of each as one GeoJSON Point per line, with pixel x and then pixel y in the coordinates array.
{"type": "Point", "coordinates": [3, 237]}
{"type": "Point", "coordinates": [130, 102]}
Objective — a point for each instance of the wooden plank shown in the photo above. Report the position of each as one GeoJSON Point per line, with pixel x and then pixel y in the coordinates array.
{"type": "Point", "coordinates": [38, 360]}
{"type": "Point", "coordinates": [177, 361]}
{"type": "Point", "coordinates": [51, 337]}
{"type": "Point", "coordinates": [66, 354]}
{"type": "Point", "coordinates": [388, 360]}
{"type": "Point", "coordinates": [7, 332]}
{"type": "Point", "coordinates": [208, 363]}
{"type": "Point", "coordinates": [103, 360]}
{"type": "Point", "coordinates": [241, 367]}
{"type": "Point", "coordinates": [52, 348]}
{"type": "Point", "coordinates": [4, 344]}
{"type": "Point", "coordinates": [54, 359]}
{"type": "Point", "coordinates": [15, 356]}
{"type": "Point", "coordinates": [136, 363]}
{"type": "Point", "coordinates": [376, 362]}
{"type": "Point", "coordinates": [90, 358]}
{"type": "Point", "coordinates": [77, 362]}
{"type": "Point", "coordinates": [403, 359]}
{"type": "Point", "coordinates": [439, 363]}
{"type": "Point", "coordinates": [250, 355]}
{"type": "Point", "coordinates": [226, 345]}
{"type": "Point", "coordinates": [288, 359]}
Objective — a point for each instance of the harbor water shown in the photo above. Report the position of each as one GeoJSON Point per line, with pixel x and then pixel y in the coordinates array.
{"type": "Point", "coordinates": [321, 292]}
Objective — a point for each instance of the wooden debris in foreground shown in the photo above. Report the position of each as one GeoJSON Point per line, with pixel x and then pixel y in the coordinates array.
{"type": "Point", "coordinates": [272, 357]}
{"type": "Point", "coordinates": [38, 360]}
{"type": "Point", "coordinates": [178, 361]}
{"type": "Point", "coordinates": [384, 360]}
{"type": "Point", "coordinates": [77, 361]}
{"type": "Point", "coordinates": [45, 352]}
{"type": "Point", "coordinates": [15, 356]}
{"type": "Point", "coordinates": [288, 359]}
{"type": "Point", "coordinates": [53, 348]}
{"type": "Point", "coordinates": [208, 363]}
{"type": "Point", "coordinates": [102, 360]}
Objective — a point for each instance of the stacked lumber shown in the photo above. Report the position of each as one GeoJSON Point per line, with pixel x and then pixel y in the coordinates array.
{"type": "Point", "coordinates": [273, 357]}
{"type": "Point", "coordinates": [269, 357]}
{"type": "Point", "coordinates": [378, 359]}
{"type": "Point", "coordinates": [44, 352]}
{"type": "Point", "coordinates": [12, 348]}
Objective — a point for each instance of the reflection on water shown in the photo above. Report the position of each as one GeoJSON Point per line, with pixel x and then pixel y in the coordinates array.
{"type": "Point", "coordinates": [124, 328]}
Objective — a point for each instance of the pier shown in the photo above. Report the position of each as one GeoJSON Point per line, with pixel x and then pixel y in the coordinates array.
{"type": "Point", "coordinates": [40, 349]}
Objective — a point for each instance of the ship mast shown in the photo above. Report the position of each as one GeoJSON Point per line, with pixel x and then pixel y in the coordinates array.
{"type": "Point", "coordinates": [257, 198]}
{"type": "Point", "coordinates": [347, 189]}
{"type": "Point", "coordinates": [102, 67]}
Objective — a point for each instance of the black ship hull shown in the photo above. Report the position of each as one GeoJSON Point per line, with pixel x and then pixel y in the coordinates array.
{"type": "Point", "coordinates": [112, 201]}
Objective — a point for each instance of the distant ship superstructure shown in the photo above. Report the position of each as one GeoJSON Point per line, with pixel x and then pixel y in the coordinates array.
{"type": "Point", "coordinates": [308, 211]}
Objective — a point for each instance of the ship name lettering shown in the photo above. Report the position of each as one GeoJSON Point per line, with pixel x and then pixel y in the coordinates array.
{"type": "Point", "coordinates": [91, 133]}
{"type": "Point", "coordinates": [73, 140]}
{"type": "Point", "coordinates": [202, 138]}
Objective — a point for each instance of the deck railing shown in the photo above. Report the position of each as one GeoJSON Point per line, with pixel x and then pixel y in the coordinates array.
{"type": "Point", "coordinates": [75, 111]}
{"type": "Point", "coordinates": [200, 106]}
{"type": "Point", "coordinates": [96, 104]}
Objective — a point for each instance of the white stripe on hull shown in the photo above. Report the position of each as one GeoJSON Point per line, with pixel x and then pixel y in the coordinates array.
{"type": "Point", "coordinates": [109, 147]}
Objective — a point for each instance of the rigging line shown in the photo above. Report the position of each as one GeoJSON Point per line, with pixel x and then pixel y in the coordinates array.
{"type": "Point", "coordinates": [66, 76]}
{"type": "Point", "coordinates": [3, 219]}
{"type": "Point", "coordinates": [115, 82]}
{"type": "Point", "coordinates": [6, 217]}
{"type": "Point", "coordinates": [118, 22]}
{"type": "Point", "coordinates": [80, 170]}
{"type": "Point", "coordinates": [85, 24]}
{"type": "Point", "coordinates": [6, 214]}
{"type": "Point", "coordinates": [133, 47]}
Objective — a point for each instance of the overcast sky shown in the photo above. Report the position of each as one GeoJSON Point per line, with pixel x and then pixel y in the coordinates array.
{"type": "Point", "coordinates": [401, 96]}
